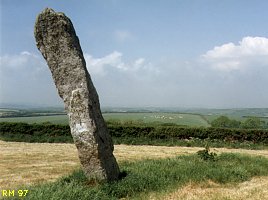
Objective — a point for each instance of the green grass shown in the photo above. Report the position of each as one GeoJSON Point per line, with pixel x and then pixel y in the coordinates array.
{"type": "Point", "coordinates": [191, 117]}
{"type": "Point", "coordinates": [56, 119]}
{"type": "Point", "coordinates": [194, 142]}
{"type": "Point", "coordinates": [175, 118]}
{"type": "Point", "coordinates": [159, 176]}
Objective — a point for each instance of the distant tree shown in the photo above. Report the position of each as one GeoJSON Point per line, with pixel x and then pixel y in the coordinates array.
{"type": "Point", "coordinates": [252, 122]}
{"type": "Point", "coordinates": [225, 122]}
{"type": "Point", "coordinates": [234, 123]}
{"type": "Point", "coordinates": [221, 121]}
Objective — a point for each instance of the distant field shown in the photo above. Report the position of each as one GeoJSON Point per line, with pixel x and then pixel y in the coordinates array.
{"type": "Point", "coordinates": [189, 117]}
{"type": "Point", "coordinates": [176, 118]}
{"type": "Point", "coordinates": [237, 114]}
{"type": "Point", "coordinates": [57, 119]}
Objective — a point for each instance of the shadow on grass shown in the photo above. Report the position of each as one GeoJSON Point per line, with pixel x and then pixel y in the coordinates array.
{"type": "Point", "coordinates": [141, 177]}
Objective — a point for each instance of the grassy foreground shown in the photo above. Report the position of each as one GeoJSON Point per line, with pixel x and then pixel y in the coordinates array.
{"type": "Point", "coordinates": [159, 176]}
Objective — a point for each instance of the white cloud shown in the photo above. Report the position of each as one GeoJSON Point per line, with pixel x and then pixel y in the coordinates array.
{"type": "Point", "coordinates": [26, 61]}
{"type": "Point", "coordinates": [122, 35]}
{"type": "Point", "coordinates": [114, 61]}
{"type": "Point", "coordinates": [249, 52]}
{"type": "Point", "coordinates": [98, 65]}
{"type": "Point", "coordinates": [25, 77]}
{"type": "Point", "coordinates": [139, 62]}
{"type": "Point", "coordinates": [14, 61]}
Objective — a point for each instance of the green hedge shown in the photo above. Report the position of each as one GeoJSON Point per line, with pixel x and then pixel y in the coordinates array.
{"type": "Point", "coordinates": [62, 132]}
{"type": "Point", "coordinates": [23, 132]}
{"type": "Point", "coordinates": [169, 132]}
{"type": "Point", "coordinates": [34, 129]}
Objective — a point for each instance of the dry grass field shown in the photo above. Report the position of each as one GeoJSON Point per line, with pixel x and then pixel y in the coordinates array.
{"type": "Point", "coordinates": [31, 163]}
{"type": "Point", "coordinates": [255, 189]}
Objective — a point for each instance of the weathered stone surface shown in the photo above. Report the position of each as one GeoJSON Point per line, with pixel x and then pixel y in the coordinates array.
{"type": "Point", "coordinates": [59, 45]}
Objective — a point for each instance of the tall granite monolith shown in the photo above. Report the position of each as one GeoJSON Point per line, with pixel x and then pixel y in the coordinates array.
{"type": "Point", "coordinates": [56, 39]}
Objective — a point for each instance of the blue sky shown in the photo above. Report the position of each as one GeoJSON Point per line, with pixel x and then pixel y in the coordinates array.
{"type": "Point", "coordinates": [180, 53]}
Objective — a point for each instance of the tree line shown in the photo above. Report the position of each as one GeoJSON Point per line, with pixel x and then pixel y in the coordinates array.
{"type": "Point", "coordinates": [249, 123]}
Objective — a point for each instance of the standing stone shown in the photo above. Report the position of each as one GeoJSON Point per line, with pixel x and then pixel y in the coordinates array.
{"type": "Point", "coordinates": [56, 39]}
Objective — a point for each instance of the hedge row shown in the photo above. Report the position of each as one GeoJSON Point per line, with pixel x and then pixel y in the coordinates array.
{"type": "Point", "coordinates": [34, 129]}
{"type": "Point", "coordinates": [150, 132]}
{"type": "Point", "coordinates": [169, 132]}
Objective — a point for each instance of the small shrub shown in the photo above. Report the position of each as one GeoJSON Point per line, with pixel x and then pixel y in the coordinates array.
{"type": "Point", "coordinates": [206, 154]}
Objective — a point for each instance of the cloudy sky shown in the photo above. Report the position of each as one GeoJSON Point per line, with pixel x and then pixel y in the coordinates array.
{"type": "Point", "coordinates": [168, 53]}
